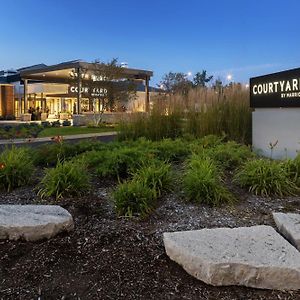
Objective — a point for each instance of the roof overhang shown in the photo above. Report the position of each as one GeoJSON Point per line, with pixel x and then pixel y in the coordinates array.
{"type": "Point", "coordinates": [61, 73]}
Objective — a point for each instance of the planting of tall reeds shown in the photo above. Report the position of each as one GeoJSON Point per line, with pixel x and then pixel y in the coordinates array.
{"type": "Point", "coordinates": [155, 126]}
{"type": "Point", "coordinates": [201, 112]}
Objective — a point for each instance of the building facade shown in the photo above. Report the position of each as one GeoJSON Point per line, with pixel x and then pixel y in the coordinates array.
{"type": "Point", "coordinates": [75, 87]}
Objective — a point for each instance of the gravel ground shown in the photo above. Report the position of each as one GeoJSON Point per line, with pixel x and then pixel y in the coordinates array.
{"type": "Point", "coordinates": [106, 257]}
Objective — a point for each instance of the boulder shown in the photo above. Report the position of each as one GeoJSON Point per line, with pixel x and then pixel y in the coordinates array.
{"type": "Point", "coordinates": [255, 256]}
{"type": "Point", "coordinates": [33, 222]}
{"type": "Point", "coordinates": [289, 226]}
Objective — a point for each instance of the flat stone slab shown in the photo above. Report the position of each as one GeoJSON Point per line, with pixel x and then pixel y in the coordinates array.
{"type": "Point", "coordinates": [289, 226]}
{"type": "Point", "coordinates": [33, 222]}
{"type": "Point", "coordinates": [254, 256]}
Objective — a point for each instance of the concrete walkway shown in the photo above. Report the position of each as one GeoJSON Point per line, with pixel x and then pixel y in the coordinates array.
{"type": "Point", "coordinates": [105, 136]}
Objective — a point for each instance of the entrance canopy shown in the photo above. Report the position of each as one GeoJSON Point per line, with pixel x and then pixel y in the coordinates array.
{"type": "Point", "coordinates": [62, 73]}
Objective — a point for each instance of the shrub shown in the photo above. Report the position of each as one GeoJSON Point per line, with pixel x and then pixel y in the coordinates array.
{"type": "Point", "coordinates": [49, 154]}
{"type": "Point", "coordinates": [55, 123]}
{"type": "Point", "coordinates": [171, 150]}
{"type": "Point", "coordinates": [66, 123]}
{"type": "Point", "coordinates": [230, 155]}
{"type": "Point", "coordinates": [293, 168]}
{"type": "Point", "coordinates": [202, 182]}
{"type": "Point", "coordinates": [20, 131]}
{"type": "Point", "coordinates": [134, 198]}
{"type": "Point", "coordinates": [266, 177]}
{"type": "Point", "coordinates": [10, 117]}
{"type": "Point", "coordinates": [16, 168]}
{"type": "Point", "coordinates": [155, 175]}
{"type": "Point", "coordinates": [120, 162]}
{"type": "Point", "coordinates": [66, 179]}
{"type": "Point", "coordinates": [46, 124]}
{"type": "Point", "coordinates": [210, 141]}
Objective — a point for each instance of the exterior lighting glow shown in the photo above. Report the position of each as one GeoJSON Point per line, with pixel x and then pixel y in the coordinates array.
{"type": "Point", "coordinates": [229, 77]}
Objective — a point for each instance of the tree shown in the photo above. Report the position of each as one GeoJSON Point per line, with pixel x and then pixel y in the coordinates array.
{"type": "Point", "coordinates": [218, 85]}
{"type": "Point", "coordinates": [176, 83]}
{"type": "Point", "coordinates": [201, 79]}
{"type": "Point", "coordinates": [105, 82]}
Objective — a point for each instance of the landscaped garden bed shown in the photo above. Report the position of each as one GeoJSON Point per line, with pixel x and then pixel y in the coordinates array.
{"type": "Point", "coordinates": [123, 196]}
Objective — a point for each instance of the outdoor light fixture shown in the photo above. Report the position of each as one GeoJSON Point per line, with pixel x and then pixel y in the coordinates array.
{"type": "Point", "coordinates": [229, 77]}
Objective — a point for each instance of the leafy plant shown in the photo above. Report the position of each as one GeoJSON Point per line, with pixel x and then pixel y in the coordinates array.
{"type": "Point", "coordinates": [155, 175]}
{"type": "Point", "coordinates": [120, 162]}
{"type": "Point", "coordinates": [55, 123]}
{"type": "Point", "coordinates": [230, 155]}
{"type": "Point", "coordinates": [20, 131]}
{"type": "Point", "coordinates": [266, 177]}
{"type": "Point", "coordinates": [46, 124]}
{"type": "Point", "coordinates": [202, 182]}
{"type": "Point", "coordinates": [49, 154]}
{"type": "Point", "coordinates": [66, 123]}
{"type": "Point", "coordinates": [66, 179]}
{"type": "Point", "coordinates": [134, 198]}
{"type": "Point", "coordinates": [171, 150]}
{"type": "Point", "coordinates": [16, 168]}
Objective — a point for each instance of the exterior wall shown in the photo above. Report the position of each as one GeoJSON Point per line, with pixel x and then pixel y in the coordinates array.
{"type": "Point", "coordinates": [276, 124]}
{"type": "Point", "coordinates": [54, 103]}
{"type": "Point", "coordinates": [138, 104]}
{"type": "Point", "coordinates": [6, 100]}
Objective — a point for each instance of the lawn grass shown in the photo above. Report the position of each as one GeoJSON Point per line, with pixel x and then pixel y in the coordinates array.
{"type": "Point", "coordinates": [70, 130]}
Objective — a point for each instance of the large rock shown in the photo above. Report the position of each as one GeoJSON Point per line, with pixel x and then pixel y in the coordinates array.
{"type": "Point", "coordinates": [33, 222]}
{"type": "Point", "coordinates": [250, 256]}
{"type": "Point", "coordinates": [289, 226]}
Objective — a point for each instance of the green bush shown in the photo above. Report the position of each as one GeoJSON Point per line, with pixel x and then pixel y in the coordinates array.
{"type": "Point", "coordinates": [202, 182]}
{"type": "Point", "coordinates": [16, 168]}
{"type": "Point", "coordinates": [156, 175]}
{"type": "Point", "coordinates": [134, 198]}
{"type": "Point", "coordinates": [293, 168]}
{"type": "Point", "coordinates": [20, 131]}
{"type": "Point", "coordinates": [66, 123]}
{"type": "Point", "coordinates": [66, 179]}
{"type": "Point", "coordinates": [120, 162]}
{"type": "Point", "coordinates": [49, 154]}
{"type": "Point", "coordinates": [266, 177]}
{"type": "Point", "coordinates": [55, 123]}
{"type": "Point", "coordinates": [230, 155]}
{"type": "Point", "coordinates": [45, 124]}
{"type": "Point", "coordinates": [171, 150]}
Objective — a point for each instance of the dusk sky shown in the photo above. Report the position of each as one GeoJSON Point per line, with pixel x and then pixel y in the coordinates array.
{"type": "Point", "coordinates": [238, 37]}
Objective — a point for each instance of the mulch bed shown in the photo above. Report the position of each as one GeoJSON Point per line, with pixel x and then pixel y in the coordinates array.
{"type": "Point", "coordinates": [106, 257]}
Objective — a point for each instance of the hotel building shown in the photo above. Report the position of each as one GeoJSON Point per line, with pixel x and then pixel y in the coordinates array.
{"type": "Point", "coordinates": [61, 90]}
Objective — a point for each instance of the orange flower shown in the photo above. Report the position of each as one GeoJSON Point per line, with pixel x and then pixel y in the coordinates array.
{"type": "Point", "coordinates": [57, 139]}
{"type": "Point", "coordinates": [2, 166]}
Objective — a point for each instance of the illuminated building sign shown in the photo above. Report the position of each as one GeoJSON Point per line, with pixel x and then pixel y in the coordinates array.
{"type": "Point", "coordinates": [276, 90]}
{"type": "Point", "coordinates": [88, 91]}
